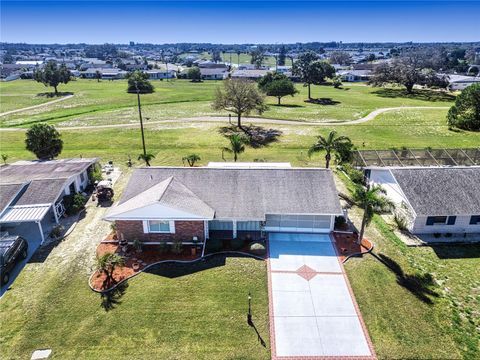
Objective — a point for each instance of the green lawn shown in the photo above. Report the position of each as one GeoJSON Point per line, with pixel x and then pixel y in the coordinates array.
{"type": "Point", "coordinates": [400, 320]}
{"type": "Point", "coordinates": [107, 102]}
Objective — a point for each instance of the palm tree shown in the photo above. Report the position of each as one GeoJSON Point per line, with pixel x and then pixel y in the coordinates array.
{"type": "Point", "coordinates": [373, 201]}
{"type": "Point", "coordinates": [4, 158]}
{"type": "Point", "coordinates": [107, 264]}
{"type": "Point", "coordinates": [237, 146]}
{"type": "Point", "coordinates": [146, 157]}
{"type": "Point", "coordinates": [332, 143]}
{"type": "Point", "coordinates": [191, 159]}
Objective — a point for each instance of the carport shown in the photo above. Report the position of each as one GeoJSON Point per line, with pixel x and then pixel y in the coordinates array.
{"type": "Point", "coordinates": [22, 214]}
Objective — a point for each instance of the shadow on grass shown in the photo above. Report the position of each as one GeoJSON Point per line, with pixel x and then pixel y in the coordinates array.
{"type": "Point", "coordinates": [457, 251]}
{"type": "Point", "coordinates": [259, 337]}
{"type": "Point", "coordinates": [323, 101]}
{"type": "Point", "coordinates": [111, 299]}
{"type": "Point", "coordinates": [287, 105]}
{"type": "Point", "coordinates": [425, 95]}
{"type": "Point", "coordinates": [258, 136]}
{"type": "Point", "coordinates": [420, 285]}
{"type": "Point", "coordinates": [53, 95]}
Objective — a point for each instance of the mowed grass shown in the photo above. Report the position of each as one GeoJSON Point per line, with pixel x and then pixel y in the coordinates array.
{"type": "Point", "coordinates": [107, 102]}
{"type": "Point", "coordinates": [197, 316]}
{"type": "Point", "coordinates": [170, 142]}
{"type": "Point", "coordinates": [437, 321]}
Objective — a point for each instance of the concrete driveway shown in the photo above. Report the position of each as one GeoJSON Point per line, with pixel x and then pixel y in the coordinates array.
{"type": "Point", "coordinates": [312, 310]}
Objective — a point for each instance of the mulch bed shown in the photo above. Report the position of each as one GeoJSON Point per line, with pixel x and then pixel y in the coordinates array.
{"type": "Point", "coordinates": [134, 262]}
{"type": "Point", "coordinates": [347, 245]}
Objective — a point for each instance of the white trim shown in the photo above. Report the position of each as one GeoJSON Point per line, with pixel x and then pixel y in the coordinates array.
{"type": "Point", "coordinates": [39, 223]}
{"type": "Point", "coordinates": [145, 226]}
{"type": "Point", "coordinates": [234, 229]}
{"type": "Point", "coordinates": [172, 226]}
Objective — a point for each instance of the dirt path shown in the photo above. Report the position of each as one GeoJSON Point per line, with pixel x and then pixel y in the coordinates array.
{"type": "Point", "coordinates": [36, 106]}
{"type": "Point", "coordinates": [223, 119]}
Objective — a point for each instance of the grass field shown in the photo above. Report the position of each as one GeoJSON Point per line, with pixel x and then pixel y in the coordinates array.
{"type": "Point", "coordinates": [107, 102]}
{"type": "Point", "coordinates": [401, 321]}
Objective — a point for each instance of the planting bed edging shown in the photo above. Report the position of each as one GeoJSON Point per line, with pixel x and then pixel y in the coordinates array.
{"type": "Point", "coordinates": [169, 261]}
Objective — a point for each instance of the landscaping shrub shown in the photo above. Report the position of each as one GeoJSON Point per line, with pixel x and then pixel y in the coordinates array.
{"type": "Point", "coordinates": [237, 243]}
{"type": "Point", "coordinates": [162, 248]}
{"type": "Point", "coordinates": [73, 203]}
{"type": "Point", "coordinates": [95, 174]}
{"type": "Point", "coordinates": [257, 248]}
{"type": "Point", "coordinates": [137, 244]}
{"type": "Point", "coordinates": [177, 247]}
{"type": "Point", "coordinates": [355, 175]}
{"type": "Point", "coordinates": [56, 231]}
{"type": "Point", "coordinates": [437, 235]}
{"type": "Point", "coordinates": [401, 222]}
{"type": "Point", "coordinates": [214, 245]}
{"type": "Point", "coordinates": [340, 221]}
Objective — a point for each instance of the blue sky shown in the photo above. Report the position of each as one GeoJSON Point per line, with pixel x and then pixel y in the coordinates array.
{"type": "Point", "coordinates": [238, 22]}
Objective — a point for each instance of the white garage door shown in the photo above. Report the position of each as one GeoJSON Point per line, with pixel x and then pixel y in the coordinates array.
{"type": "Point", "coordinates": [298, 223]}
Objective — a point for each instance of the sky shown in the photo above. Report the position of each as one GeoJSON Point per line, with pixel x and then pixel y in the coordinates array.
{"type": "Point", "coordinates": [235, 22]}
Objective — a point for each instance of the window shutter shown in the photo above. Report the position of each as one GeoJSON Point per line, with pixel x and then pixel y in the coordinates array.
{"type": "Point", "coordinates": [430, 220]}
{"type": "Point", "coordinates": [451, 220]}
{"type": "Point", "coordinates": [145, 226]}
{"type": "Point", "coordinates": [172, 227]}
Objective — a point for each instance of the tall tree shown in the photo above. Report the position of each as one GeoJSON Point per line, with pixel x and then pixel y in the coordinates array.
{"type": "Point", "coordinates": [107, 264]}
{"type": "Point", "coordinates": [331, 144]}
{"type": "Point", "coordinates": [44, 141]}
{"type": "Point", "coordinates": [282, 55]}
{"type": "Point", "coordinates": [340, 57]}
{"type": "Point", "coordinates": [53, 75]}
{"type": "Point", "coordinates": [373, 201]}
{"type": "Point", "coordinates": [194, 74]}
{"type": "Point", "coordinates": [98, 75]}
{"type": "Point", "coordinates": [277, 85]}
{"type": "Point", "coordinates": [240, 97]}
{"type": "Point", "coordinates": [236, 146]}
{"type": "Point", "coordinates": [257, 57]}
{"type": "Point", "coordinates": [216, 56]}
{"type": "Point", "coordinates": [465, 113]}
{"type": "Point", "coordinates": [311, 70]}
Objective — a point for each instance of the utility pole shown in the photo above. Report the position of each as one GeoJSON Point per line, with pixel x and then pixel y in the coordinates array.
{"type": "Point", "coordinates": [141, 120]}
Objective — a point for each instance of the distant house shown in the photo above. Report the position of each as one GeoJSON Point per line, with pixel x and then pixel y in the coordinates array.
{"type": "Point", "coordinates": [251, 67]}
{"type": "Point", "coordinates": [354, 75]}
{"type": "Point", "coordinates": [161, 74]}
{"type": "Point", "coordinates": [460, 82]}
{"type": "Point", "coordinates": [134, 67]}
{"type": "Point", "coordinates": [106, 74]}
{"type": "Point", "coordinates": [433, 199]}
{"type": "Point", "coordinates": [165, 204]}
{"type": "Point", "coordinates": [249, 74]}
{"type": "Point", "coordinates": [32, 192]}
{"type": "Point", "coordinates": [214, 74]}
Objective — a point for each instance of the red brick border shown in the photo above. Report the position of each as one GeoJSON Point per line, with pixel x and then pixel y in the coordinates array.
{"type": "Point", "coordinates": [272, 322]}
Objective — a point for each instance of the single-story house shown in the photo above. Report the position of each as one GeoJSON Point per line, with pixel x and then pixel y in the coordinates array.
{"type": "Point", "coordinates": [354, 75]}
{"type": "Point", "coordinates": [162, 204]}
{"type": "Point", "coordinates": [433, 199]}
{"type": "Point", "coordinates": [32, 192]}
{"type": "Point", "coordinates": [249, 74]}
{"type": "Point", "coordinates": [161, 74]}
{"type": "Point", "coordinates": [107, 74]}
{"type": "Point", "coordinates": [460, 82]}
{"type": "Point", "coordinates": [214, 74]}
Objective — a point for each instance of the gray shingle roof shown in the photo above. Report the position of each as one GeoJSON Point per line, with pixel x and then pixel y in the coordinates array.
{"type": "Point", "coordinates": [247, 193]}
{"type": "Point", "coordinates": [7, 194]}
{"type": "Point", "coordinates": [441, 191]}
{"type": "Point", "coordinates": [41, 192]}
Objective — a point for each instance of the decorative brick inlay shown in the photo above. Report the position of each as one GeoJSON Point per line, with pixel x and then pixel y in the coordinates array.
{"type": "Point", "coordinates": [306, 272]}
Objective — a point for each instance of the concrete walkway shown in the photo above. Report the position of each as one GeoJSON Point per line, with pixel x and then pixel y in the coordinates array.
{"type": "Point", "coordinates": [36, 106]}
{"type": "Point", "coordinates": [313, 313]}
{"type": "Point", "coordinates": [245, 120]}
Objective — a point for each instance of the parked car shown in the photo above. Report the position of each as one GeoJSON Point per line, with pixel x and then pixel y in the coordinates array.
{"type": "Point", "coordinates": [12, 250]}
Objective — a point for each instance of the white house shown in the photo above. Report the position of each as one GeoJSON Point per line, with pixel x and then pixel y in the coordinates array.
{"type": "Point", "coordinates": [433, 200]}
{"type": "Point", "coordinates": [460, 82]}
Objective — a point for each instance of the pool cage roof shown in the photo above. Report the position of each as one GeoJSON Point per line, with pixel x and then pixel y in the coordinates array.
{"type": "Point", "coordinates": [417, 157]}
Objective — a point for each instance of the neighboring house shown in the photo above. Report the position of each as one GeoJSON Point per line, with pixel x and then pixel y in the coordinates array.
{"type": "Point", "coordinates": [31, 192]}
{"type": "Point", "coordinates": [107, 74]}
{"type": "Point", "coordinates": [161, 74]}
{"type": "Point", "coordinates": [214, 74]}
{"type": "Point", "coordinates": [354, 75]}
{"type": "Point", "coordinates": [249, 74]}
{"type": "Point", "coordinates": [164, 204]}
{"type": "Point", "coordinates": [433, 199]}
{"type": "Point", "coordinates": [460, 82]}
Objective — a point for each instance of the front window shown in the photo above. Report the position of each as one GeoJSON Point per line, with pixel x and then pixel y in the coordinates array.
{"type": "Point", "coordinates": [155, 226]}
{"type": "Point", "coordinates": [436, 220]}
{"type": "Point", "coordinates": [475, 220]}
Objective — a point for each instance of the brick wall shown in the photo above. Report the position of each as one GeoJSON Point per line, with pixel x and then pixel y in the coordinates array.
{"type": "Point", "coordinates": [184, 231]}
